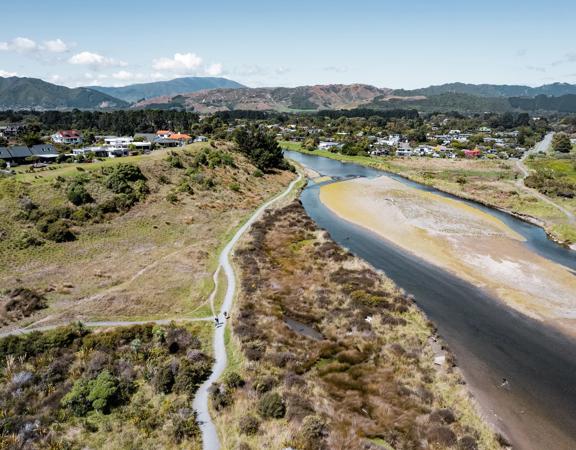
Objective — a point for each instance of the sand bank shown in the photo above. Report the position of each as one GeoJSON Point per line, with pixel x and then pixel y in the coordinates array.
{"type": "Point", "coordinates": [470, 243]}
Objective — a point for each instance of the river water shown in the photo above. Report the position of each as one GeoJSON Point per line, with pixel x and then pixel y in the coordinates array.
{"type": "Point", "coordinates": [537, 409]}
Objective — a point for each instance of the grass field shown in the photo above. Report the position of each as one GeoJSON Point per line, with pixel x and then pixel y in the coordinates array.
{"type": "Point", "coordinates": [154, 260]}
{"type": "Point", "coordinates": [491, 182]}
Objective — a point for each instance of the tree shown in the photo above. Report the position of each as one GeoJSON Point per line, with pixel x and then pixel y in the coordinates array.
{"type": "Point", "coordinates": [31, 139]}
{"type": "Point", "coordinates": [561, 143]}
{"type": "Point", "coordinates": [260, 147]}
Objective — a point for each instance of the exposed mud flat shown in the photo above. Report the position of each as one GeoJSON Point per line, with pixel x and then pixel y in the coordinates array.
{"type": "Point", "coordinates": [465, 240]}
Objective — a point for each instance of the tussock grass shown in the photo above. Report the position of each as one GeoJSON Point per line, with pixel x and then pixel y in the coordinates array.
{"type": "Point", "coordinates": [369, 379]}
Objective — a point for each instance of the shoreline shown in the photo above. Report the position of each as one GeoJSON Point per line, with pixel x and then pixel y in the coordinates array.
{"type": "Point", "coordinates": [378, 166]}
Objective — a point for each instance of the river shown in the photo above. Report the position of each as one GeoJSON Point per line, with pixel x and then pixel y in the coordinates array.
{"type": "Point", "coordinates": [537, 410]}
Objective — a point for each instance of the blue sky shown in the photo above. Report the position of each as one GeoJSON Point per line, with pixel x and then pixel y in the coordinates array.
{"type": "Point", "coordinates": [265, 43]}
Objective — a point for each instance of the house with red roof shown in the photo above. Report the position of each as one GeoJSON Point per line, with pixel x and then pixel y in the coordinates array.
{"type": "Point", "coordinates": [70, 137]}
{"type": "Point", "coordinates": [472, 153]}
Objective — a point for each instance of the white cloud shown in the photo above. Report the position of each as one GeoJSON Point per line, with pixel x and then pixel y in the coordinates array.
{"type": "Point", "coordinates": [55, 46]}
{"type": "Point", "coordinates": [124, 75]}
{"type": "Point", "coordinates": [186, 61]}
{"type": "Point", "coordinates": [214, 69]}
{"type": "Point", "coordinates": [19, 44]}
{"type": "Point", "coordinates": [6, 74]}
{"type": "Point", "coordinates": [94, 60]}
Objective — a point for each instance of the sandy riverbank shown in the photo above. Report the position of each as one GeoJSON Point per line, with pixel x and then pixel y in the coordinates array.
{"type": "Point", "coordinates": [458, 237]}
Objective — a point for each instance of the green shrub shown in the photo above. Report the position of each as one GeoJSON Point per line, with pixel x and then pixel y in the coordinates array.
{"type": "Point", "coordinates": [233, 380]}
{"type": "Point", "coordinates": [141, 189]}
{"type": "Point", "coordinates": [78, 195]}
{"type": "Point", "coordinates": [248, 425]}
{"type": "Point", "coordinates": [77, 399]}
{"type": "Point", "coordinates": [313, 429]}
{"type": "Point", "coordinates": [220, 396]}
{"type": "Point", "coordinates": [119, 178]}
{"type": "Point", "coordinates": [212, 158]}
{"type": "Point", "coordinates": [235, 187]}
{"type": "Point", "coordinates": [99, 394]}
{"type": "Point", "coordinates": [163, 380]}
{"type": "Point", "coordinates": [59, 231]}
{"type": "Point", "coordinates": [175, 161]}
{"type": "Point", "coordinates": [272, 406]}
{"type": "Point", "coordinates": [172, 197]}
{"type": "Point", "coordinates": [191, 375]}
{"type": "Point", "coordinates": [103, 391]}
{"type": "Point", "coordinates": [185, 426]}
{"type": "Point", "coordinates": [258, 173]}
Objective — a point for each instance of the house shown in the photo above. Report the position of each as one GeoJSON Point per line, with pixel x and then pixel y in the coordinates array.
{"type": "Point", "coordinates": [13, 129]}
{"type": "Point", "coordinates": [404, 152]}
{"type": "Point", "coordinates": [98, 152]}
{"type": "Point", "coordinates": [201, 139]}
{"type": "Point", "coordinates": [44, 151]}
{"type": "Point", "coordinates": [180, 137]}
{"type": "Point", "coordinates": [5, 154]}
{"type": "Point", "coordinates": [164, 134]}
{"type": "Point", "coordinates": [70, 137]}
{"type": "Point", "coordinates": [472, 153]}
{"type": "Point", "coordinates": [423, 150]}
{"type": "Point", "coordinates": [327, 145]}
{"type": "Point", "coordinates": [166, 142]}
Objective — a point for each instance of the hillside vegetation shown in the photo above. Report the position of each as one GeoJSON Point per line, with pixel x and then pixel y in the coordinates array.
{"type": "Point", "coordinates": [123, 238]}
{"type": "Point", "coordinates": [32, 93]}
{"type": "Point", "coordinates": [130, 388]}
{"type": "Point", "coordinates": [330, 354]}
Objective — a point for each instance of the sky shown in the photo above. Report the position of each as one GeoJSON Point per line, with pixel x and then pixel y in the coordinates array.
{"type": "Point", "coordinates": [396, 44]}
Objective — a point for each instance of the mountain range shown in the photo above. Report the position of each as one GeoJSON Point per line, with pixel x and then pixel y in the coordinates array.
{"type": "Point", "coordinates": [135, 92]}
{"type": "Point", "coordinates": [33, 93]}
{"type": "Point", "coordinates": [492, 90]}
{"type": "Point", "coordinates": [302, 98]}
{"type": "Point", "coordinates": [205, 95]}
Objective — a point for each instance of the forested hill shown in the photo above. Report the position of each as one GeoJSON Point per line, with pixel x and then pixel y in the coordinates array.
{"type": "Point", "coordinates": [492, 90]}
{"type": "Point", "coordinates": [33, 93]}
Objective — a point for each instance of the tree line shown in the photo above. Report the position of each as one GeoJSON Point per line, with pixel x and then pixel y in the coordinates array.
{"type": "Point", "coordinates": [115, 122]}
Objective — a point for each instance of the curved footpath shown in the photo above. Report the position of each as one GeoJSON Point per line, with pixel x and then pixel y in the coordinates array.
{"type": "Point", "coordinates": [210, 439]}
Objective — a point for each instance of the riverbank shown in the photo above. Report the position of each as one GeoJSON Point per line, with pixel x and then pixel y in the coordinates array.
{"type": "Point", "coordinates": [471, 244]}
{"type": "Point", "coordinates": [489, 183]}
{"type": "Point", "coordinates": [334, 354]}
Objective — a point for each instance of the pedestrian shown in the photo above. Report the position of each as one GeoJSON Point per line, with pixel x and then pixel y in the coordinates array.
{"type": "Point", "coordinates": [225, 315]}
{"type": "Point", "coordinates": [216, 321]}
{"type": "Point", "coordinates": [504, 383]}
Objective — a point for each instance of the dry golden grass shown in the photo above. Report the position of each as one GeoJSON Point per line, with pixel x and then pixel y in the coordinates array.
{"type": "Point", "coordinates": [346, 382]}
{"type": "Point", "coordinates": [154, 261]}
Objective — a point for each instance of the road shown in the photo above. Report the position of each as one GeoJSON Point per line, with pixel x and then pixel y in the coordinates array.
{"type": "Point", "coordinates": [540, 147]}
{"type": "Point", "coordinates": [210, 439]}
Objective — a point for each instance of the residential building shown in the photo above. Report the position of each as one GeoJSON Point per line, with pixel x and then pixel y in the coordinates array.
{"type": "Point", "coordinates": [472, 153]}
{"type": "Point", "coordinates": [69, 137]}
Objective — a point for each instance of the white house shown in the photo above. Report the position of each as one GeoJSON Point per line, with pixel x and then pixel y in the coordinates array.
{"type": "Point", "coordinates": [326, 145]}
{"type": "Point", "coordinates": [71, 137]}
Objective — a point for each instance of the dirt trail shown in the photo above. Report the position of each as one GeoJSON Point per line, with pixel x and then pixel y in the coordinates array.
{"type": "Point", "coordinates": [210, 440]}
